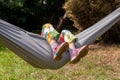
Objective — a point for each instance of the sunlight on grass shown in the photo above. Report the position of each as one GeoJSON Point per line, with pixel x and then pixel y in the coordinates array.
{"type": "Point", "coordinates": [93, 67]}
{"type": "Point", "coordinates": [14, 68]}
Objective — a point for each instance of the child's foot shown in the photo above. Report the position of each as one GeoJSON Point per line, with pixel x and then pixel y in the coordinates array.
{"type": "Point", "coordinates": [78, 53]}
{"type": "Point", "coordinates": [59, 50]}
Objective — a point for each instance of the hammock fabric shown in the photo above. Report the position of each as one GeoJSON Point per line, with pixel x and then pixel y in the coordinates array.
{"type": "Point", "coordinates": [35, 49]}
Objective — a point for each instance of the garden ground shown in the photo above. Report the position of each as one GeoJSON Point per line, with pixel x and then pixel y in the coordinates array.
{"type": "Point", "coordinates": [101, 63]}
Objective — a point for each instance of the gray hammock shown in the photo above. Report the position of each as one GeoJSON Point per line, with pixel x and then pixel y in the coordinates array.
{"type": "Point", "coordinates": [36, 51]}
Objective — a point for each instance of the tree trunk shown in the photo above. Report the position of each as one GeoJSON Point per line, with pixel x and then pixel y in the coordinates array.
{"type": "Point", "coordinates": [62, 23]}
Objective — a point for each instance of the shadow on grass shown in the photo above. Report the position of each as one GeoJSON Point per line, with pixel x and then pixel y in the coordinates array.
{"type": "Point", "coordinates": [3, 48]}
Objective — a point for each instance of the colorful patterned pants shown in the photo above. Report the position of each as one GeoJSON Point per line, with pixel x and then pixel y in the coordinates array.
{"type": "Point", "coordinates": [50, 33]}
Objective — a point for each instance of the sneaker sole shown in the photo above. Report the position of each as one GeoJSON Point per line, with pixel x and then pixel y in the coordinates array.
{"type": "Point", "coordinates": [81, 54]}
{"type": "Point", "coordinates": [64, 47]}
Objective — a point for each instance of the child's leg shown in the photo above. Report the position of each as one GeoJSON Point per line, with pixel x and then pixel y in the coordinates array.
{"type": "Point", "coordinates": [53, 43]}
{"type": "Point", "coordinates": [46, 28]}
{"type": "Point", "coordinates": [66, 36]}
{"type": "Point", "coordinates": [71, 47]}
{"type": "Point", "coordinates": [51, 36]}
{"type": "Point", "coordinates": [76, 53]}
{"type": "Point", "coordinates": [58, 49]}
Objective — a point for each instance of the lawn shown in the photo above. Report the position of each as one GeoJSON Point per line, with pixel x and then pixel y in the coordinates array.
{"type": "Point", "coordinates": [102, 63]}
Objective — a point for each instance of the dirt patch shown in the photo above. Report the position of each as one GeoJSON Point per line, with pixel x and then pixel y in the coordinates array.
{"type": "Point", "coordinates": [110, 54]}
{"type": "Point", "coordinates": [109, 58]}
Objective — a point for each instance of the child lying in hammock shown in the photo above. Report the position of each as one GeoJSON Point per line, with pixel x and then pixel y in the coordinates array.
{"type": "Point", "coordinates": [60, 43]}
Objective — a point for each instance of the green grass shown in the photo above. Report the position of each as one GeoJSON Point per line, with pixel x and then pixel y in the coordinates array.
{"type": "Point", "coordinates": [92, 67]}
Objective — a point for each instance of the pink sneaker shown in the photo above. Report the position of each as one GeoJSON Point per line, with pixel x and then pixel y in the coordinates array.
{"type": "Point", "coordinates": [59, 50]}
{"type": "Point", "coordinates": [79, 53]}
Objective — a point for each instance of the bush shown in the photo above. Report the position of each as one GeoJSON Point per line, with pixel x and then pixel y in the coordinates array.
{"type": "Point", "coordinates": [85, 13]}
